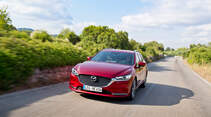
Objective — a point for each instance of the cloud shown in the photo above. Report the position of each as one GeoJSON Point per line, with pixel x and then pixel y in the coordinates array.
{"type": "Point", "coordinates": [180, 22]}
{"type": "Point", "coordinates": [175, 23]}
{"type": "Point", "coordinates": [168, 13]}
{"type": "Point", "coordinates": [198, 34]}
{"type": "Point", "coordinates": [50, 15]}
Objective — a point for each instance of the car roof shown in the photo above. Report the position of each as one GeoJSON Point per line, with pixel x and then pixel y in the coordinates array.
{"type": "Point", "coordinates": [118, 50]}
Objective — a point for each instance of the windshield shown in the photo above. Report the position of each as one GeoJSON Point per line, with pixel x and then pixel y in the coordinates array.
{"type": "Point", "coordinates": [114, 57]}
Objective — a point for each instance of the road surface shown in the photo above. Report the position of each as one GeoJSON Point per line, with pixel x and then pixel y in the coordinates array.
{"type": "Point", "coordinates": [173, 90]}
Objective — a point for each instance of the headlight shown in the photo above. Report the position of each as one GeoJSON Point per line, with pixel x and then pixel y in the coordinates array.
{"type": "Point", "coordinates": [122, 78]}
{"type": "Point", "coordinates": [74, 71]}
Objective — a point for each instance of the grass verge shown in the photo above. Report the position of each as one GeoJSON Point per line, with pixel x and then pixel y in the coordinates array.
{"type": "Point", "coordinates": [203, 70]}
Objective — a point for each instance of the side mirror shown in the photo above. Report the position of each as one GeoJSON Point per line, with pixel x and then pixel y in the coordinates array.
{"type": "Point", "coordinates": [89, 58]}
{"type": "Point", "coordinates": [141, 64]}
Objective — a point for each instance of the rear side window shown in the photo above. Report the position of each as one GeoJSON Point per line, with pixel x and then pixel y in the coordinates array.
{"type": "Point", "coordinates": [137, 58]}
{"type": "Point", "coordinates": [141, 58]}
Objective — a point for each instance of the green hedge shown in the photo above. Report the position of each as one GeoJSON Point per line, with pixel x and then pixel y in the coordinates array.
{"type": "Point", "coordinates": [195, 54]}
{"type": "Point", "coordinates": [19, 58]}
{"type": "Point", "coordinates": [200, 55]}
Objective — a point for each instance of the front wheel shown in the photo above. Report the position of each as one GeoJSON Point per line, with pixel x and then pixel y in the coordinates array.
{"type": "Point", "coordinates": [144, 83]}
{"type": "Point", "coordinates": [132, 91]}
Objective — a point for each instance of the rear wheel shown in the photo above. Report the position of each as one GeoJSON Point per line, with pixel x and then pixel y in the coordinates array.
{"type": "Point", "coordinates": [132, 91]}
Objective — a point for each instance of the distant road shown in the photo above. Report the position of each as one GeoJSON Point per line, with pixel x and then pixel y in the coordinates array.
{"type": "Point", "coordinates": [173, 90]}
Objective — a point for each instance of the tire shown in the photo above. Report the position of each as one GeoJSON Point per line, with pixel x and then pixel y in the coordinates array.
{"type": "Point", "coordinates": [143, 85]}
{"type": "Point", "coordinates": [132, 91]}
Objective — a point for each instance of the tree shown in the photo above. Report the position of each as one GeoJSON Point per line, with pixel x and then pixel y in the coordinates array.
{"type": "Point", "coordinates": [157, 47]}
{"type": "Point", "coordinates": [41, 35]}
{"type": "Point", "coordinates": [5, 21]}
{"type": "Point", "coordinates": [134, 45]}
{"type": "Point", "coordinates": [168, 49]}
{"type": "Point", "coordinates": [69, 35]}
{"type": "Point", "coordinates": [182, 52]}
{"type": "Point", "coordinates": [18, 34]}
{"type": "Point", "coordinates": [106, 36]}
{"type": "Point", "coordinates": [124, 40]}
{"type": "Point", "coordinates": [94, 31]}
{"type": "Point", "coordinates": [64, 33]}
{"type": "Point", "coordinates": [73, 38]}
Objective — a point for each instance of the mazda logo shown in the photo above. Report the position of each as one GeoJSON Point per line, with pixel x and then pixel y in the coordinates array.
{"type": "Point", "coordinates": [93, 78]}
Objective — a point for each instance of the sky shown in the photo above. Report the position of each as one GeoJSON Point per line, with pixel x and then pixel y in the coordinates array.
{"type": "Point", "coordinates": [175, 23]}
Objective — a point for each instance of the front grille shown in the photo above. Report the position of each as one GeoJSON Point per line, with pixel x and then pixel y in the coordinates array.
{"type": "Point", "coordinates": [100, 82]}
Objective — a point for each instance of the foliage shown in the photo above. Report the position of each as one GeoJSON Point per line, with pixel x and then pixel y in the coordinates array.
{"type": "Point", "coordinates": [124, 40]}
{"type": "Point", "coordinates": [134, 45]}
{"type": "Point", "coordinates": [5, 21]}
{"type": "Point", "coordinates": [198, 54]}
{"type": "Point", "coordinates": [94, 31]}
{"type": "Point", "coordinates": [18, 34]}
{"type": "Point", "coordinates": [41, 35]}
{"type": "Point", "coordinates": [169, 49]}
{"type": "Point", "coordinates": [95, 38]}
{"type": "Point", "coordinates": [73, 38]}
{"type": "Point", "coordinates": [70, 35]}
{"type": "Point", "coordinates": [18, 58]}
{"type": "Point", "coordinates": [153, 50]}
{"type": "Point", "coordinates": [4, 33]}
{"type": "Point", "coordinates": [64, 33]}
{"type": "Point", "coordinates": [91, 47]}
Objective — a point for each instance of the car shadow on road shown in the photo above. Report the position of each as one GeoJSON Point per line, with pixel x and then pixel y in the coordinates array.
{"type": "Point", "coordinates": [158, 68]}
{"type": "Point", "coordinates": [153, 94]}
{"type": "Point", "coordinates": [155, 67]}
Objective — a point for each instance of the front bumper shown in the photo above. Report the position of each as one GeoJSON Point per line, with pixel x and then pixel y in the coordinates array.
{"type": "Point", "coordinates": [114, 89]}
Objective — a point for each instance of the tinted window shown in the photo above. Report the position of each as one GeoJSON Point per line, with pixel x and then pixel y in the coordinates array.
{"type": "Point", "coordinates": [114, 57]}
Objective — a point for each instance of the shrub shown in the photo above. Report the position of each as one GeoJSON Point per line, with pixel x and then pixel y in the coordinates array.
{"type": "Point", "coordinates": [41, 35]}
{"type": "Point", "coordinates": [3, 33]}
{"type": "Point", "coordinates": [196, 54]}
{"type": "Point", "coordinates": [69, 35]}
{"type": "Point", "coordinates": [200, 55]}
{"type": "Point", "coordinates": [19, 57]}
{"type": "Point", "coordinates": [18, 34]}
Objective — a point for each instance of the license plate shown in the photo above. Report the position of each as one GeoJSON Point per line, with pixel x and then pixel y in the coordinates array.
{"type": "Point", "coordinates": [91, 88]}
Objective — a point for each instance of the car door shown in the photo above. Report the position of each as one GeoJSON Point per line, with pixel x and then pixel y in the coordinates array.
{"type": "Point", "coordinates": [143, 68]}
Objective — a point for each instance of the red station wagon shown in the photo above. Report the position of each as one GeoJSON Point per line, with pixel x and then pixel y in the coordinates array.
{"type": "Point", "coordinates": [111, 73]}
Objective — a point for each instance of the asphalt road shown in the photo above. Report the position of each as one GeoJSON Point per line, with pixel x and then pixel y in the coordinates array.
{"type": "Point", "coordinates": [172, 90]}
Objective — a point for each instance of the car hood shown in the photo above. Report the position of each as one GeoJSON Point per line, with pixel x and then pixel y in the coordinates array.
{"type": "Point", "coordinates": [103, 69]}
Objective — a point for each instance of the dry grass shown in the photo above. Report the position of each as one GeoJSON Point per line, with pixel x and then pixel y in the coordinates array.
{"type": "Point", "coordinates": [202, 70]}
